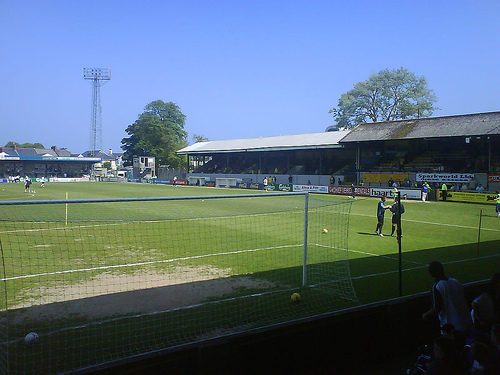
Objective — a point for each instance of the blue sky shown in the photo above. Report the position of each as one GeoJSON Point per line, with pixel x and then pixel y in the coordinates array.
{"type": "Point", "coordinates": [237, 69]}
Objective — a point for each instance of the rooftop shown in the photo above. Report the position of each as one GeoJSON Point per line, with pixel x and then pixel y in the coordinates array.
{"type": "Point", "coordinates": [277, 143]}
{"type": "Point", "coordinates": [432, 127]}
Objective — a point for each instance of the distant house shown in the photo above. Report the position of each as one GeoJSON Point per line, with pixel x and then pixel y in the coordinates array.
{"type": "Point", "coordinates": [114, 158]}
{"type": "Point", "coordinates": [41, 162]}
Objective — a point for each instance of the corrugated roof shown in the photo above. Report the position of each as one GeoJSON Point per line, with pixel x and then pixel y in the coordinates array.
{"type": "Point", "coordinates": [431, 127]}
{"type": "Point", "coordinates": [277, 143]}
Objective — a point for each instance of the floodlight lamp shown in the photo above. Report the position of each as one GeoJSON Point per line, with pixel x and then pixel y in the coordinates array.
{"type": "Point", "coordinates": [98, 74]}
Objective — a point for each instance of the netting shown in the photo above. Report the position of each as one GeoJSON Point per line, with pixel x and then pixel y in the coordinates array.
{"type": "Point", "coordinates": [104, 280]}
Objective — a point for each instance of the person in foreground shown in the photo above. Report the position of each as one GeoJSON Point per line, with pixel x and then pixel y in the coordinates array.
{"type": "Point", "coordinates": [448, 300]}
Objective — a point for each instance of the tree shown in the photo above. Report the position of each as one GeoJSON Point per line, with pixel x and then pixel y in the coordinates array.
{"type": "Point", "coordinates": [386, 96]}
{"type": "Point", "coordinates": [199, 138]}
{"type": "Point", "coordinates": [159, 132]}
{"type": "Point", "coordinates": [24, 145]}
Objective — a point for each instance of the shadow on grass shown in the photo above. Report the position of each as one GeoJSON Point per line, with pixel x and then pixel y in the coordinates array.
{"type": "Point", "coordinates": [160, 322]}
{"type": "Point", "coordinates": [377, 278]}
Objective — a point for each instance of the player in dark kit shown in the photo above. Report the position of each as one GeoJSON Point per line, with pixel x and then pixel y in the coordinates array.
{"type": "Point", "coordinates": [397, 210]}
{"type": "Point", "coordinates": [27, 185]}
{"type": "Point", "coordinates": [381, 207]}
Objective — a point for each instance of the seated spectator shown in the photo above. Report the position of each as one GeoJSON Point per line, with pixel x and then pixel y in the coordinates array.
{"type": "Point", "coordinates": [447, 358]}
{"type": "Point", "coordinates": [483, 307]}
{"type": "Point", "coordinates": [495, 340]}
{"type": "Point", "coordinates": [481, 357]}
{"type": "Point", "coordinates": [480, 188]}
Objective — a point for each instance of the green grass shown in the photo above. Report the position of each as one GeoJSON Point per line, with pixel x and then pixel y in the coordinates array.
{"type": "Point", "coordinates": [444, 231]}
{"type": "Point", "coordinates": [208, 234]}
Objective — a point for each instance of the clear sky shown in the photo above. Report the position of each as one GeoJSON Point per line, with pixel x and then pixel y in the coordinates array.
{"type": "Point", "coordinates": [236, 68]}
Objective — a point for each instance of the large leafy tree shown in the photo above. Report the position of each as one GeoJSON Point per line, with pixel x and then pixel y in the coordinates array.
{"type": "Point", "coordinates": [159, 132]}
{"type": "Point", "coordinates": [388, 95]}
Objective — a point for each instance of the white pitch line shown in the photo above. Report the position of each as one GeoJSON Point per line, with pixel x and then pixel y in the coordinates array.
{"type": "Point", "coordinates": [145, 263]}
{"type": "Point", "coordinates": [370, 254]}
{"type": "Point", "coordinates": [424, 265]}
{"type": "Point", "coordinates": [142, 221]}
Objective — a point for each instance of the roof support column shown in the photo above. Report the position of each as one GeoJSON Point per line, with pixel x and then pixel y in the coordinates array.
{"type": "Point", "coordinates": [320, 163]}
{"type": "Point", "coordinates": [358, 164]}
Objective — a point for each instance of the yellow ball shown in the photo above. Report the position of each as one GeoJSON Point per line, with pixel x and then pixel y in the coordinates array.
{"type": "Point", "coordinates": [295, 298]}
{"type": "Point", "coordinates": [325, 230]}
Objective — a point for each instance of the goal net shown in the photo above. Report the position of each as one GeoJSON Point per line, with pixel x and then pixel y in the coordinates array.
{"type": "Point", "coordinates": [104, 280]}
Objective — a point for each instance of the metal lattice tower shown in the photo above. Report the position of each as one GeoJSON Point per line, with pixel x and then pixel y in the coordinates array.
{"type": "Point", "coordinates": [98, 76]}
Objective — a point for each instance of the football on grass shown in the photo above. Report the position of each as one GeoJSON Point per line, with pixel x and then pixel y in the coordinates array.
{"type": "Point", "coordinates": [31, 339]}
{"type": "Point", "coordinates": [295, 298]}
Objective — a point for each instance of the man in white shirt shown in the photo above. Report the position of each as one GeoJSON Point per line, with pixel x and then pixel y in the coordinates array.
{"type": "Point", "coordinates": [448, 300]}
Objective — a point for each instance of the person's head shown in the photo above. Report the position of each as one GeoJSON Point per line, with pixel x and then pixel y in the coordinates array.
{"type": "Point", "coordinates": [382, 198]}
{"type": "Point", "coordinates": [436, 269]}
{"type": "Point", "coordinates": [447, 329]}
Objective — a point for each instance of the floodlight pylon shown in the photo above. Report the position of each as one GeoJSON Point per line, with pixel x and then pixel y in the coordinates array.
{"type": "Point", "coordinates": [98, 77]}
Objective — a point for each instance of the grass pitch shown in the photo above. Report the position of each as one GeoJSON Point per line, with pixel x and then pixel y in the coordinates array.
{"type": "Point", "coordinates": [445, 231]}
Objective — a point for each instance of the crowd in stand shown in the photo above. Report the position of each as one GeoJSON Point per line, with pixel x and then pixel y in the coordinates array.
{"type": "Point", "coordinates": [469, 342]}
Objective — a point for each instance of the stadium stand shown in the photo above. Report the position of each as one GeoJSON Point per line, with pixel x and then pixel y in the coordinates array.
{"type": "Point", "coordinates": [449, 144]}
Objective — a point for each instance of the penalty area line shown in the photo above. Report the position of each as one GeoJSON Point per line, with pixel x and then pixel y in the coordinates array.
{"type": "Point", "coordinates": [369, 254]}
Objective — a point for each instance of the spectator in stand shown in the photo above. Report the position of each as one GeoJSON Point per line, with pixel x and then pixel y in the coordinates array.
{"type": "Point", "coordinates": [497, 205]}
{"type": "Point", "coordinates": [447, 358]}
{"type": "Point", "coordinates": [480, 188]}
{"type": "Point", "coordinates": [496, 294]}
{"type": "Point", "coordinates": [481, 357]}
{"type": "Point", "coordinates": [448, 300]}
{"type": "Point", "coordinates": [483, 307]}
{"type": "Point", "coordinates": [495, 340]}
